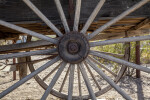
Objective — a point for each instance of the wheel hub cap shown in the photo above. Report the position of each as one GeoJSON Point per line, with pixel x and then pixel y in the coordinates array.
{"type": "Point", "coordinates": [73, 47]}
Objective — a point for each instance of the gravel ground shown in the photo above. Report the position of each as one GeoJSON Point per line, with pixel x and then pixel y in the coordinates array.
{"type": "Point", "coordinates": [138, 89]}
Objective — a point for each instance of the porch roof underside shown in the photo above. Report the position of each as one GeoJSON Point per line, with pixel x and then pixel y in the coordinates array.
{"type": "Point", "coordinates": [129, 26]}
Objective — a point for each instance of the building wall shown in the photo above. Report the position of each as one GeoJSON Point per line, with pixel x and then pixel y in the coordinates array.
{"type": "Point", "coordinates": [16, 10]}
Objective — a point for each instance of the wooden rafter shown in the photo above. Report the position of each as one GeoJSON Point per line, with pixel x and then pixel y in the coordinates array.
{"type": "Point", "coordinates": [122, 34]}
{"type": "Point", "coordinates": [140, 25]}
{"type": "Point", "coordinates": [133, 31]}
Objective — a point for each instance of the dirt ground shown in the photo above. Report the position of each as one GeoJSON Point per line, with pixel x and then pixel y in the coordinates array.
{"type": "Point", "coordinates": [138, 89]}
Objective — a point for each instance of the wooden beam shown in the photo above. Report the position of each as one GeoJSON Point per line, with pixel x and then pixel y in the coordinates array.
{"type": "Point", "coordinates": [8, 36]}
{"type": "Point", "coordinates": [119, 35]}
{"type": "Point", "coordinates": [133, 31]}
{"type": "Point", "coordinates": [140, 25]}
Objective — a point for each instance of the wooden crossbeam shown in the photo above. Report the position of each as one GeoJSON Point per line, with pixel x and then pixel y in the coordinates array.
{"type": "Point", "coordinates": [133, 31]}
{"type": "Point", "coordinates": [119, 35]}
{"type": "Point", "coordinates": [140, 25]}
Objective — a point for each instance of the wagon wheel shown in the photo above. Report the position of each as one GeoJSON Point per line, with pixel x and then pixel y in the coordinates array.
{"type": "Point", "coordinates": [43, 81]}
{"type": "Point", "coordinates": [73, 49]}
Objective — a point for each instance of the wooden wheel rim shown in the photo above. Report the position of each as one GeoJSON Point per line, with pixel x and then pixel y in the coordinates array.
{"type": "Point", "coordinates": [64, 96]}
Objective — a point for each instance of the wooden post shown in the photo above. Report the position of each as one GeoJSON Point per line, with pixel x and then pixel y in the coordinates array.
{"type": "Point", "coordinates": [14, 61]}
{"type": "Point", "coordinates": [138, 58]}
{"type": "Point", "coordinates": [22, 67]}
{"type": "Point", "coordinates": [127, 52]}
{"type": "Point", "coordinates": [14, 72]}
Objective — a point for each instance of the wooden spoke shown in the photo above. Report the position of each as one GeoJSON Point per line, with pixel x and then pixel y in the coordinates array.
{"type": "Point", "coordinates": [101, 65]}
{"type": "Point", "coordinates": [77, 15]}
{"type": "Point", "coordinates": [62, 15]}
{"type": "Point", "coordinates": [16, 85]}
{"type": "Point", "coordinates": [43, 17]}
{"type": "Point", "coordinates": [120, 61]}
{"type": "Point", "coordinates": [65, 78]}
{"type": "Point", "coordinates": [71, 82]}
{"type": "Point", "coordinates": [79, 81]}
{"type": "Point", "coordinates": [101, 73]}
{"type": "Point", "coordinates": [34, 61]}
{"type": "Point", "coordinates": [52, 83]}
{"type": "Point", "coordinates": [92, 76]}
{"type": "Point", "coordinates": [113, 54]}
{"type": "Point", "coordinates": [73, 48]}
{"type": "Point", "coordinates": [87, 82]}
{"type": "Point", "coordinates": [23, 46]}
{"type": "Point", "coordinates": [127, 12]}
{"type": "Point", "coordinates": [51, 72]}
{"type": "Point", "coordinates": [25, 54]}
{"type": "Point", "coordinates": [92, 17]}
{"type": "Point", "coordinates": [29, 32]}
{"type": "Point", "coordinates": [122, 40]}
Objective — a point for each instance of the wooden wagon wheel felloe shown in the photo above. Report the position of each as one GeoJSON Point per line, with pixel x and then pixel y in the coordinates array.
{"type": "Point", "coordinates": [73, 50]}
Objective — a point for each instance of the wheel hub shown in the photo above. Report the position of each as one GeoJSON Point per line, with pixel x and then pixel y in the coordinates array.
{"type": "Point", "coordinates": [73, 47]}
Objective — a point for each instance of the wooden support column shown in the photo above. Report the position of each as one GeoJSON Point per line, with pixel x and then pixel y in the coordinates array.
{"type": "Point", "coordinates": [14, 72]}
{"type": "Point", "coordinates": [127, 52]}
{"type": "Point", "coordinates": [14, 61]}
{"type": "Point", "coordinates": [138, 74]}
{"type": "Point", "coordinates": [22, 67]}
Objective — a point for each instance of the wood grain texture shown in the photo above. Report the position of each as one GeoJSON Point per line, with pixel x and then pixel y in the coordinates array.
{"type": "Point", "coordinates": [18, 11]}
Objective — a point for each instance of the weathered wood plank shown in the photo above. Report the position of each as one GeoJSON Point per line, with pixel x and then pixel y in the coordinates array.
{"type": "Point", "coordinates": [122, 34]}
{"type": "Point", "coordinates": [140, 25]}
{"type": "Point", "coordinates": [15, 10]}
